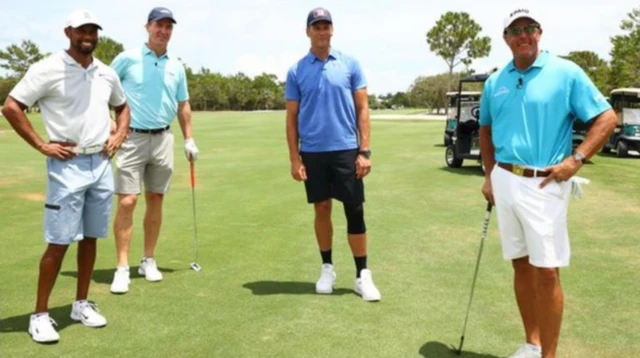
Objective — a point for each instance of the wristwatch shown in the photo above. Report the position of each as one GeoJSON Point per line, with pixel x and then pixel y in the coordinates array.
{"type": "Point", "coordinates": [365, 153]}
{"type": "Point", "coordinates": [579, 157]}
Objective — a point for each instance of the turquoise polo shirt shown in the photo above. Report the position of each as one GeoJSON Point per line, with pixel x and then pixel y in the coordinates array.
{"type": "Point", "coordinates": [153, 85]}
{"type": "Point", "coordinates": [324, 89]}
{"type": "Point", "coordinates": [531, 112]}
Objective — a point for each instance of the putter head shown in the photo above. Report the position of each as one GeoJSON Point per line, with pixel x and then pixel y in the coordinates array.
{"type": "Point", "coordinates": [195, 267]}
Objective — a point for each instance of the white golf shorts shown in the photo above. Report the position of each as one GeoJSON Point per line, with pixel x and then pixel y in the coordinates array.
{"type": "Point", "coordinates": [532, 221]}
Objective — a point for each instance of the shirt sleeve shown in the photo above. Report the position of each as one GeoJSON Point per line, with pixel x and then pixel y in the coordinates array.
{"type": "Point", "coordinates": [291, 89]}
{"type": "Point", "coordinates": [358, 81]}
{"type": "Point", "coordinates": [485, 105]}
{"type": "Point", "coordinates": [32, 86]}
{"type": "Point", "coordinates": [119, 65]}
{"type": "Point", "coordinates": [586, 100]}
{"type": "Point", "coordinates": [183, 90]}
{"type": "Point", "coordinates": [117, 98]}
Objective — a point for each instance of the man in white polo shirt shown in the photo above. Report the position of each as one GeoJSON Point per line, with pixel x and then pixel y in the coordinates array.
{"type": "Point", "coordinates": [155, 83]}
{"type": "Point", "coordinates": [74, 91]}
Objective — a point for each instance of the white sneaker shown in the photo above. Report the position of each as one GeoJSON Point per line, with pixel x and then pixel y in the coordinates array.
{"type": "Point", "coordinates": [526, 352]}
{"type": "Point", "coordinates": [87, 313]}
{"type": "Point", "coordinates": [41, 329]}
{"type": "Point", "coordinates": [121, 280]}
{"type": "Point", "coordinates": [366, 288]}
{"type": "Point", "coordinates": [327, 279]}
{"type": "Point", "coordinates": [149, 269]}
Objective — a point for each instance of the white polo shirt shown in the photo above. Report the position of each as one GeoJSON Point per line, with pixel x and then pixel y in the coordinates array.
{"type": "Point", "coordinates": [74, 101]}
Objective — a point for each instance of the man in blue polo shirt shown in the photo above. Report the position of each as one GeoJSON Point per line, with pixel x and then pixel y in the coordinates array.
{"type": "Point", "coordinates": [328, 130]}
{"type": "Point", "coordinates": [526, 115]}
{"type": "Point", "coordinates": [155, 83]}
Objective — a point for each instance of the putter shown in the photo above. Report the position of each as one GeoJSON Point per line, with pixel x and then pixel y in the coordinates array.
{"type": "Point", "coordinates": [194, 265]}
{"type": "Point", "coordinates": [485, 225]}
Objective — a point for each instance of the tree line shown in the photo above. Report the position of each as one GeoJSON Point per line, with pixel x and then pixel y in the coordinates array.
{"type": "Point", "coordinates": [455, 37]}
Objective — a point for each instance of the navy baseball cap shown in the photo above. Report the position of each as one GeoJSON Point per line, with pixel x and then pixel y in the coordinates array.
{"type": "Point", "coordinates": [159, 13]}
{"type": "Point", "coordinates": [318, 14]}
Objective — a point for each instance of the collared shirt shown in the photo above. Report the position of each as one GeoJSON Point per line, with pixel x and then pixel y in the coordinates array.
{"type": "Point", "coordinates": [74, 101]}
{"type": "Point", "coordinates": [531, 112]}
{"type": "Point", "coordinates": [153, 85]}
{"type": "Point", "coordinates": [324, 90]}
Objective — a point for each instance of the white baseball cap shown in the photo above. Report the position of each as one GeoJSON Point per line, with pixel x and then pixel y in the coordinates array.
{"type": "Point", "coordinates": [518, 14]}
{"type": "Point", "coordinates": [82, 17]}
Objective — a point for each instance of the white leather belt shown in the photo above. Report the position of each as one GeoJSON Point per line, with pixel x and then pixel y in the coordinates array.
{"type": "Point", "coordinates": [89, 150]}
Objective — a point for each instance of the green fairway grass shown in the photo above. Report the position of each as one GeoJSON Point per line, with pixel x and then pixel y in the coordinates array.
{"type": "Point", "coordinates": [255, 296]}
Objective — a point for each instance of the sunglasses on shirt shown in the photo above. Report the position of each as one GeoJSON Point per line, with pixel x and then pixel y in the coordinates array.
{"type": "Point", "coordinates": [517, 30]}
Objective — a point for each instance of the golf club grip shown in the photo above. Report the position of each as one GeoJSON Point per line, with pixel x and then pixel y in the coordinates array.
{"type": "Point", "coordinates": [192, 168]}
{"type": "Point", "coordinates": [489, 206]}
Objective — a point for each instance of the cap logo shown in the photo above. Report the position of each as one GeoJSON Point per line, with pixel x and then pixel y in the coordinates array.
{"type": "Point", "coordinates": [518, 12]}
{"type": "Point", "coordinates": [87, 15]}
{"type": "Point", "coordinates": [320, 12]}
{"type": "Point", "coordinates": [164, 11]}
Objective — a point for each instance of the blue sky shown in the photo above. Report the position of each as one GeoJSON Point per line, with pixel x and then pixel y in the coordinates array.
{"type": "Point", "coordinates": [255, 36]}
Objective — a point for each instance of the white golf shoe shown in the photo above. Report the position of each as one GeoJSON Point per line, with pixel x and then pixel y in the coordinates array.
{"type": "Point", "coordinates": [41, 329]}
{"type": "Point", "coordinates": [87, 313]}
{"type": "Point", "coordinates": [525, 351]}
{"type": "Point", "coordinates": [366, 288]}
{"type": "Point", "coordinates": [327, 279]}
{"type": "Point", "coordinates": [121, 280]}
{"type": "Point", "coordinates": [149, 269]}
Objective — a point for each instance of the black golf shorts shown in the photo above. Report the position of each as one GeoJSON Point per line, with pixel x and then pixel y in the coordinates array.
{"type": "Point", "coordinates": [332, 175]}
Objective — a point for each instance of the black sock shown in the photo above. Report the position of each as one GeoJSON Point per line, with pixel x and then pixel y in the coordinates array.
{"type": "Point", "coordinates": [326, 257]}
{"type": "Point", "coordinates": [361, 264]}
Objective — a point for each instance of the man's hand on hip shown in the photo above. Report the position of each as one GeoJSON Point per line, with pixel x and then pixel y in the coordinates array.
{"type": "Point", "coordinates": [190, 149]}
{"type": "Point", "coordinates": [113, 144]}
{"type": "Point", "coordinates": [562, 171]}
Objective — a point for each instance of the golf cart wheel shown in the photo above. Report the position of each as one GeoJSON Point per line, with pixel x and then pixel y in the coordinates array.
{"type": "Point", "coordinates": [621, 149]}
{"type": "Point", "coordinates": [450, 157]}
{"type": "Point", "coordinates": [447, 140]}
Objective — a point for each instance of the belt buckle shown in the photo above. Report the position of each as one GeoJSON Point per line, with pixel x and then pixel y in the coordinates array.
{"type": "Point", "coordinates": [517, 170]}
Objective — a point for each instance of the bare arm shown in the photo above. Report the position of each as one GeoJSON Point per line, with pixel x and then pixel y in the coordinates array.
{"type": "Point", "coordinates": [361, 100]}
{"type": "Point", "coordinates": [598, 134]}
{"type": "Point", "coordinates": [14, 112]}
{"type": "Point", "coordinates": [487, 149]}
{"type": "Point", "coordinates": [292, 130]}
{"type": "Point", "coordinates": [184, 118]}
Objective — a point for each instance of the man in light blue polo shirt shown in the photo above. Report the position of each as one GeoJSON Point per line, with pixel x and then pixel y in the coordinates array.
{"type": "Point", "coordinates": [155, 83]}
{"type": "Point", "coordinates": [328, 130]}
{"type": "Point", "coordinates": [526, 117]}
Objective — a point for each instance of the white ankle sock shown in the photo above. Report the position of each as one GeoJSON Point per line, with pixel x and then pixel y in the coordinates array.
{"type": "Point", "coordinates": [534, 348]}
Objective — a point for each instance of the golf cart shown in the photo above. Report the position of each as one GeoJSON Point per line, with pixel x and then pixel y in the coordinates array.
{"type": "Point", "coordinates": [626, 136]}
{"type": "Point", "coordinates": [467, 101]}
{"type": "Point", "coordinates": [465, 141]}
{"type": "Point", "coordinates": [579, 132]}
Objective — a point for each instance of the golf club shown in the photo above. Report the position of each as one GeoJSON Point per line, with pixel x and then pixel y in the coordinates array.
{"type": "Point", "coordinates": [485, 225]}
{"type": "Point", "coordinates": [194, 265]}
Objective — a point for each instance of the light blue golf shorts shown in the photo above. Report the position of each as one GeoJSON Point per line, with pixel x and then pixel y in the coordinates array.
{"type": "Point", "coordinates": [79, 197]}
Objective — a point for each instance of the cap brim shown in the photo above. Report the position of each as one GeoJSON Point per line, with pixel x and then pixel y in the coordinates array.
{"type": "Point", "coordinates": [320, 20]}
{"type": "Point", "coordinates": [75, 26]}
{"type": "Point", "coordinates": [164, 17]}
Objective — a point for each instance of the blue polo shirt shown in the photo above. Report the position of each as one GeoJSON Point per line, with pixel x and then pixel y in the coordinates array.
{"type": "Point", "coordinates": [324, 90]}
{"type": "Point", "coordinates": [531, 112]}
{"type": "Point", "coordinates": [153, 85]}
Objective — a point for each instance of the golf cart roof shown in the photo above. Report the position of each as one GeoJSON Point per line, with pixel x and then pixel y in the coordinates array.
{"type": "Point", "coordinates": [626, 91]}
{"type": "Point", "coordinates": [480, 77]}
{"type": "Point", "coordinates": [464, 93]}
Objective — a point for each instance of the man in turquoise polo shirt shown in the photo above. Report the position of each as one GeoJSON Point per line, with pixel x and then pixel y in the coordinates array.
{"type": "Point", "coordinates": [155, 83]}
{"type": "Point", "coordinates": [327, 128]}
{"type": "Point", "coordinates": [526, 116]}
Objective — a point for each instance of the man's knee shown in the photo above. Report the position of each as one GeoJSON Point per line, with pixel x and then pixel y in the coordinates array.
{"type": "Point", "coordinates": [547, 276]}
{"type": "Point", "coordinates": [323, 209]}
{"type": "Point", "coordinates": [355, 218]}
{"type": "Point", "coordinates": [127, 202]}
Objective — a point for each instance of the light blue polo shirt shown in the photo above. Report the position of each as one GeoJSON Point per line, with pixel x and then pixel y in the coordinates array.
{"type": "Point", "coordinates": [153, 85]}
{"type": "Point", "coordinates": [531, 112]}
{"type": "Point", "coordinates": [324, 90]}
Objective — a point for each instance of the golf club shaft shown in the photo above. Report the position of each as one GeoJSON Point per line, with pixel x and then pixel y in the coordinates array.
{"type": "Point", "coordinates": [485, 226]}
{"type": "Point", "coordinates": [193, 200]}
